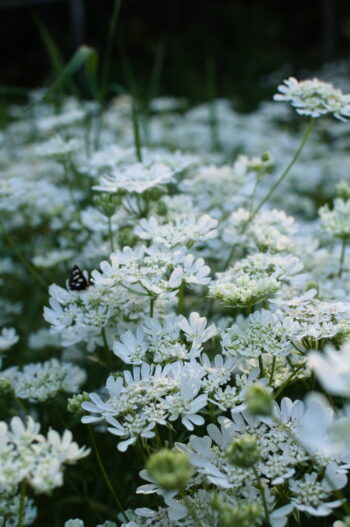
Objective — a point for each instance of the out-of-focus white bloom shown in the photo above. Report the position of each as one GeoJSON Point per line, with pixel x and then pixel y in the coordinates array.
{"type": "Point", "coordinates": [314, 98]}
{"type": "Point", "coordinates": [181, 232]}
{"type": "Point", "coordinates": [333, 369]}
{"type": "Point", "coordinates": [135, 178]}
{"type": "Point", "coordinates": [57, 148]}
{"type": "Point", "coordinates": [270, 230]}
{"type": "Point", "coordinates": [42, 381]}
{"type": "Point", "coordinates": [52, 258]}
{"type": "Point", "coordinates": [336, 221]}
{"type": "Point", "coordinates": [8, 338]}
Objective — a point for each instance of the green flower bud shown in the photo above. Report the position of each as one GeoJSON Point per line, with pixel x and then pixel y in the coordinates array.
{"type": "Point", "coordinates": [243, 451]}
{"type": "Point", "coordinates": [245, 514]}
{"type": "Point", "coordinates": [5, 386]}
{"type": "Point", "coordinates": [74, 403]}
{"type": "Point", "coordinates": [170, 469]}
{"type": "Point", "coordinates": [259, 400]}
{"type": "Point", "coordinates": [265, 156]}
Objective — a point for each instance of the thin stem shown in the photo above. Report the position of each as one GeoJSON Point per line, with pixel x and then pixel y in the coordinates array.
{"type": "Point", "coordinates": [21, 258]}
{"type": "Point", "coordinates": [288, 380]}
{"type": "Point", "coordinates": [22, 503]}
{"type": "Point", "coordinates": [263, 497]}
{"type": "Point", "coordinates": [261, 366]}
{"type": "Point", "coordinates": [104, 473]}
{"type": "Point", "coordinates": [342, 256]}
{"type": "Point", "coordinates": [110, 234]}
{"type": "Point", "coordinates": [282, 176]}
{"type": "Point", "coordinates": [181, 300]}
{"type": "Point", "coordinates": [272, 370]}
{"type": "Point", "coordinates": [136, 129]}
{"type": "Point", "coordinates": [151, 306]}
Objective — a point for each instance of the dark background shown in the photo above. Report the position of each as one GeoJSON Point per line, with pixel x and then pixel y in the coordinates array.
{"type": "Point", "coordinates": [235, 43]}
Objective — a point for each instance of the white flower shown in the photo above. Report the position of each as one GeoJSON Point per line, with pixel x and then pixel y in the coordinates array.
{"type": "Point", "coordinates": [42, 381]}
{"type": "Point", "coordinates": [195, 328]}
{"type": "Point", "coordinates": [180, 232]}
{"type": "Point", "coordinates": [333, 369]}
{"type": "Point", "coordinates": [310, 495]}
{"type": "Point", "coordinates": [57, 148]}
{"type": "Point", "coordinates": [336, 221]}
{"type": "Point", "coordinates": [8, 338]}
{"type": "Point", "coordinates": [314, 98]}
{"type": "Point", "coordinates": [135, 178]}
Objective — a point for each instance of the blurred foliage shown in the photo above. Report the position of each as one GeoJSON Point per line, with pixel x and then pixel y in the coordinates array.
{"type": "Point", "coordinates": [244, 41]}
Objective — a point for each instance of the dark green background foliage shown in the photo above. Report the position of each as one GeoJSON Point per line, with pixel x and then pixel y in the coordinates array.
{"type": "Point", "coordinates": [236, 42]}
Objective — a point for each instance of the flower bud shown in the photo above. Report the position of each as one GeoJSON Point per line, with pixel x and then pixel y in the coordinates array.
{"type": "Point", "coordinates": [170, 469]}
{"type": "Point", "coordinates": [258, 399]}
{"type": "Point", "coordinates": [243, 451]}
{"type": "Point", "coordinates": [74, 403]}
{"type": "Point", "coordinates": [265, 156]}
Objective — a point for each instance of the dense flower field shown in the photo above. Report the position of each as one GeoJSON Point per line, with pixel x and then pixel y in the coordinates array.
{"type": "Point", "coordinates": [175, 311]}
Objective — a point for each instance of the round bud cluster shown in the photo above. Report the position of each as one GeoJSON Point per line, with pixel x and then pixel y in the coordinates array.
{"type": "Point", "coordinates": [170, 469]}
{"type": "Point", "coordinates": [74, 403]}
{"type": "Point", "coordinates": [258, 399]}
{"type": "Point", "coordinates": [243, 451]}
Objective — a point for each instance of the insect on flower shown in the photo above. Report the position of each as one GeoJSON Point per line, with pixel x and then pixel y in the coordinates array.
{"type": "Point", "coordinates": [78, 281]}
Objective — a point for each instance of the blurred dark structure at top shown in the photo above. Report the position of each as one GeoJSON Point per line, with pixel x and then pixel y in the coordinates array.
{"type": "Point", "coordinates": [242, 40]}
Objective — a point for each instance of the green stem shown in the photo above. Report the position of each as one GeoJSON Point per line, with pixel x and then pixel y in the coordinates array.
{"type": "Point", "coordinates": [151, 306]}
{"type": "Point", "coordinates": [282, 176]}
{"type": "Point", "coordinates": [272, 370]}
{"type": "Point", "coordinates": [104, 473]}
{"type": "Point", "coordinates": [21, 258]}
{"type": "Point", "coordinates": [181, 300]}
{"type": "Point", "coordinates": [342, 256]}
{"type": "Point", "coordinates": [22, 503]}
{"type": "Point", "coordinates": [263, 497]}
{"type": "Point", "coordinates": [110, 233]}
{"type": "Point", "coordinates": [136, 129]}
{"type": "Point", "coordinates": [298, 368]}
{"type": "Point", "coordinates": [261, 366]}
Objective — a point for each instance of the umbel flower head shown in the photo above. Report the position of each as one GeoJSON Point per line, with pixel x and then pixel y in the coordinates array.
{"type": "Point", "coordinates": [314, 98]}
{"type": "Point", "coordinates": [170, 469]}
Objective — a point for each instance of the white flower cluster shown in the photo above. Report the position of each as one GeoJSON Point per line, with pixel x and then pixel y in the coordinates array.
{"type": "Point", "coordinates": [254, 279]}
{"type": "Point", "coordinates": [314, 98]}
{"type": "Point", "coordinates": [187, 305]}
{"type": "Point", "coordinates": [27, 455]}
{"type": "Point", "coordinates": [39, 382]}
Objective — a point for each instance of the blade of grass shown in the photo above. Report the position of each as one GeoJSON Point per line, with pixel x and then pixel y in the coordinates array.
{"type": "Point", "coordinates": [80, 57]}
{"type": "Point", "coordinates": [53, 51]}
{"type": "Point", "coordinates": [107, 61]}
